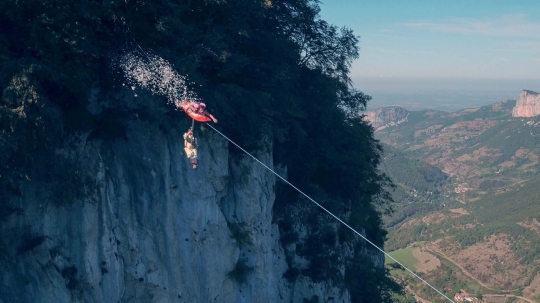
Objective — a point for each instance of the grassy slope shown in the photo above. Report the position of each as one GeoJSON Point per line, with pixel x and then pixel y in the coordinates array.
{"type": "Point", "coordinates": [507, 207]}
{"type": "Point", "coordinates": [404, 256]}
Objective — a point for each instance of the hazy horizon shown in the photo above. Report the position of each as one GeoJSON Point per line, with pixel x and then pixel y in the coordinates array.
{"type": "Point", "coordinates": [440, 93]}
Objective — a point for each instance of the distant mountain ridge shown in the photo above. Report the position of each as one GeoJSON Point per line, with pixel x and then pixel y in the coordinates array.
{"type": "Point", "coordinates": [466, 190]}
{"type": "Point", "coordinates": [527, 105]}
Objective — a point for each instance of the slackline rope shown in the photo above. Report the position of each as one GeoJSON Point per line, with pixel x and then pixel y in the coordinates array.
{"type": "Point", "coordinates": [309, 198]}
{"type": "Point", "coordinates": [331, 214]}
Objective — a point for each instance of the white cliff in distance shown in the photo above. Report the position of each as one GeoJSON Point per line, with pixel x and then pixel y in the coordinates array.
{"type": "Point", "coordinates": [527, 104]}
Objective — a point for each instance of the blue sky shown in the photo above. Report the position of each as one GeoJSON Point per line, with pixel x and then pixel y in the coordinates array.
{"type": "Point", "coordinates": [474, 39]}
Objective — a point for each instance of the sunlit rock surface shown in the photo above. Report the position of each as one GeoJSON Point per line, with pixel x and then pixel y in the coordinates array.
{"type": "Point", "coordinates": [384, 117]}
{"type": "Point", "coordinates": [155, 230]}
{"type": "Point", "coordinates": [527, 105]}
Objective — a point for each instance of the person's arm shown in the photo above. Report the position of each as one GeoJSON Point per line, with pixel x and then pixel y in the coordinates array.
{"type": "Point", "coordinates": [185, 140]}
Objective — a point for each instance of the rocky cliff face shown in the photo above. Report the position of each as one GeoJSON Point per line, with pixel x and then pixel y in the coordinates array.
{"type": "Point", "coordinates": [527, 105]}
{"type": "Point", "coordinates": [384, 117]}
{"type": "Point", "coordinates": [154, 229]}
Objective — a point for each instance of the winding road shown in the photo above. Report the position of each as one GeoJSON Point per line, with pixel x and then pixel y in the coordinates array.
{"type": "Point", "coordinates": [520, 297]}
{"type": "Point", "coordinates": [467, 273]}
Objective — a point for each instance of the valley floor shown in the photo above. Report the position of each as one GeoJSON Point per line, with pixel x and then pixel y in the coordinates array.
{"type": "Point", "coordinates": [423, 259]}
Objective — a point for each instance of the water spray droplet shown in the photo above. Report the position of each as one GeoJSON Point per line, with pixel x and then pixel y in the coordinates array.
{"type": "Point", "coordinates": [156, 75]}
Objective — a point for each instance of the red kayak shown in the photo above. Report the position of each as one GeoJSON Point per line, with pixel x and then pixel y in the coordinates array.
{"type": "Point", "coordinates": [186, 106]}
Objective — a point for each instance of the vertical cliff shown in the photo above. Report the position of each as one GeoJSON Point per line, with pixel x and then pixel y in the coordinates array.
{"type": "Point", "coordinates": [98, 202]}
{"type": "Point", "coordinates": [527, 104]}
{"type": "Point", "coordinates": [153, 229]}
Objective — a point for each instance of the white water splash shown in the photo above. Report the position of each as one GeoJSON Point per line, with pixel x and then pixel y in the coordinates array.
{"type": "Point", "coordinates": [155, 74]}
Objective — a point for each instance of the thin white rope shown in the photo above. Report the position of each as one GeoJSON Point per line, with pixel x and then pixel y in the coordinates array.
{"type": "Point", "coordinates": [319, 205]}
{"type": "Point", "coordinates": [331, 214]}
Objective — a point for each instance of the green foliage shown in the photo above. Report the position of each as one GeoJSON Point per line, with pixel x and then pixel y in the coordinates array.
{"type": "Point", "coordinates": [419, 186]}
{"type": "Point", "coordinates": [489, 138]}
{"type": "Point", "coordinates": [240, 234]}
{"type": "Point", "coordinates": [271, 71]}
{"type": "Point", "coordinates": [414, 173]}
{"type": "Point", "coordinates": [328, 236]}
{"type": "Point", "coordinates": [400, 238]}
{"type": "Point", "coordinates": [407, 298]}
{"type": "Point", "coordinates": [288, 235]}
{"type": "Point", "coordinates": [367, 284]}
{"type": "Point", "coordinates": [318, 247]}
{"type": "Point", "coordinates": [444, 279]}
{"type": "Point", "coordinates": [506, 138]}
{"type": "Point", "coordinates": [326, 243]}
{"type": "Point", "coordinates": [404, 256]}
{"type": "Point", "coordinates": [500, 214]}
{"type": "Point", "coordinates": [109, 126]}
{"type": "Point", "coordinates": [278, 63]}
{"type": "Point", "coordinates": [322, 260]}
{"type": "Point", "coordinates": [364, 217]}
{"type": "Point", "coordinates": [479, 295]}
{"type": "Point", "coordinates": [72, 282]}
{"type": "Point", "coordinates": [240, 272]}
{"type": "Point", "coordinates": [47, 63]}
{"type": "Point", "coordinates": [505, 195]}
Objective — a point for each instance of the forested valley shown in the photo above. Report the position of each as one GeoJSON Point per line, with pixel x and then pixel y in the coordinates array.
{"type": "Point", "coordinates": [466, 204]}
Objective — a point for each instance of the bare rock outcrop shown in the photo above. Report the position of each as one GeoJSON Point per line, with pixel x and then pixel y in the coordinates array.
{"type": "Point", "coordinates": [527, 105]}
{"type": "Point", "coordinates": [384, 117]}
{"type": "Point", "coordinates": [153, 229]}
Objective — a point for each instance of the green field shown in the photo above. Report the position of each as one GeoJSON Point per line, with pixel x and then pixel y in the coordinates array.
{"type": "Point", "coordinates": [474, 286]}
{"type": "Point", "coordinates": [443, 278]}
{"type": "Point", "coordinates": [404, 256]}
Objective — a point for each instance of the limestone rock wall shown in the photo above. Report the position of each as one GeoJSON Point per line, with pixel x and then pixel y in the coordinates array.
{"type": "Point", "coordinates": [155, 230]}
{"type": "Point", "coordinates": [382, 118]}
{"type": "Point", "coordinates": [527, 105]}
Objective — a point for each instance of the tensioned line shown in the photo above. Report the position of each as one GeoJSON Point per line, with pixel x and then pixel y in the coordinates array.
{"type": "Point", "coordinates": [309, 198]}
{"type": "Point", "coordinates": [331, 214]}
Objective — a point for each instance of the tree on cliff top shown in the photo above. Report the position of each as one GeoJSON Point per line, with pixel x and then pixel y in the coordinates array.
{"type": "Point", "coordinates": [267, 68]}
